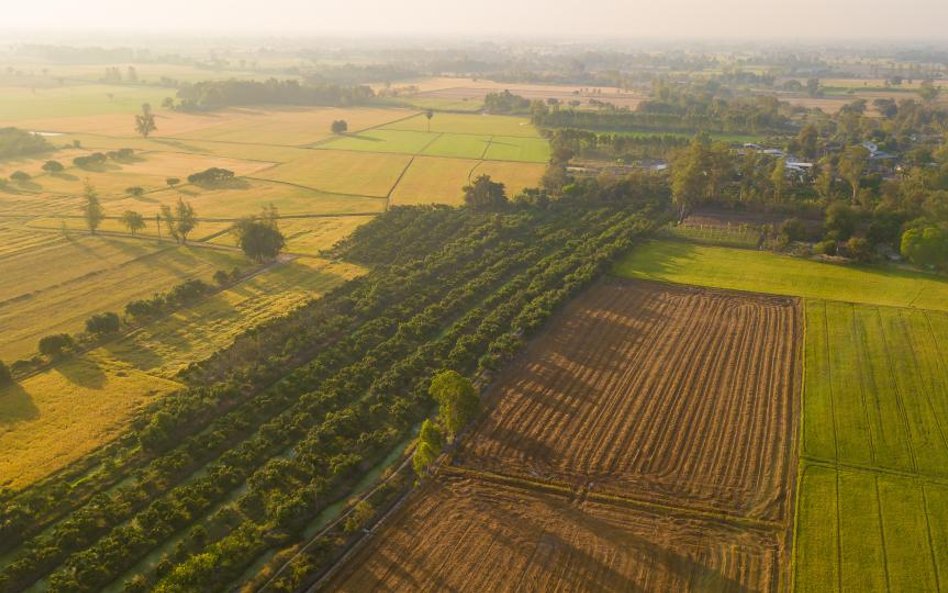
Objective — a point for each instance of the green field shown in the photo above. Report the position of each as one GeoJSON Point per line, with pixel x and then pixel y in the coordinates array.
{"type": "Point", "coordinates": [455, 123]}
{"type": "Point", "coordinates": [742, 269]}
{"type": "Point", "coordinates": [874, 469]}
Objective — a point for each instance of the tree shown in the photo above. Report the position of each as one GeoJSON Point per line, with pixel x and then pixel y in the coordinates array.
{"type": "Point", "coordinates": [689, 175]}
{"type": "Point", "coordinates": [172, 181]}
{"type": "Point", "coordinates": [20, 176]}
{"type": "Point", "coordinates": [145, 121]}
{"type": "Point", "coordinates": [212, 176]}
{"type": "Point", "coordinates": [55, 345]}
{"type": "Point", "coordinates": [133, 221]}
{"type": "Point", "coordinates": [103, 323]}
{"type": "Point", "coordinates": [167, 215]}
{"type": "Point", "coordinates": [339, 126]}
{"type": "Point", "coordinates": [808, 139]}
{"type": "Point", "coordinates": [186, 219]}
{"type": "Point", "coordinates": [259, 237]}
{"type": "Point", "coordinates": [928, 91]}
{"type": "Point", "coordinates": [92, 209]}
{"type": "Point", "coordinates": [926, 246]}
{"type": "Point", "coordinates": [458, 402]}
{"type": "Point", "coordinates": [485, 194]}
{"type": "Point", "coordinates": [840, 221]}
{"type": "Point", "coordinates": [851, 167]}
{"type": "Point", "coordinates": [428, 115]}
{"type": "Point", "coordinates": [859, 249]}
{"type": "Point", "coordinates": [167, 103]}
{"type": "Point", "coordinates": [778, 179]}
{"type": "Point", "coordinates": [422, 458]}
{"type": "Point", "coordinates": [53, 167]}
{"type": "Point", "coordinates": [135, 192]}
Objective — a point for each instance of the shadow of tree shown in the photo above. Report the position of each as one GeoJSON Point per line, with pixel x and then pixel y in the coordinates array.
{"type": "Point", "coordinates": [16, 405]}
{"type": "Point", "coordinates": [84, 373]}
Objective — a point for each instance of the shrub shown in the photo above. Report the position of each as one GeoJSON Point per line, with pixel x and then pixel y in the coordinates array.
{"type": "Point", "coordinates": [20, 176]}
{"type": "Point", "coordinates": [859, 249]}
{"type": "Point", "coordinates": [53, 167]}
{"type": "Point", "coordinates": [55, 345]}
{"type": "Point", "coordinates": [221, 277]}
{"type": "Point", "coordinates": [103, 323]}
{"type": "Point", "coordinates": [212, 176]}
{"type": "Point", "coordinates": [793, 229]}
{"type": "Point", "coordinates": [827, 247]}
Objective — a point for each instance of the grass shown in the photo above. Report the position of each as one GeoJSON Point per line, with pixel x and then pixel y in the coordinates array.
{"type": "Point", "coordinates": [56, 417]}
{"type": "Point", "coordinates": [458, 145]}
{"type": "Point", "coordinates": [288, 126]}
{"type": "Point", "coordinates": [82, 275]}
{"type": "Point", "coordinates": [246, 198]}
{"type": "Point", "coordinates": [506, 148]}
{"type": "Point", "coordinates": [460, 123]}
{"type": "Point", "coordinates": [439, 180]}
{"type": "Point", "coordinates": [83, 100]}
{"type": "Point", "coordinates": [342, 172]}
{"type": "Point", "coordinates": [400, 141]}
{"type": "Point", "coordinates": [742, 269]}
{"type": "Point", "coordinates": [194, 333]}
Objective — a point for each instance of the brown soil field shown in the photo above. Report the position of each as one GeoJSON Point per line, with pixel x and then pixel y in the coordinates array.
{"type": "Point", "coordinates": [645, 442]}
{"type": "Point", "coordinates": [465, 535]}
{"type": "Point", "coordinates": [669, 394]}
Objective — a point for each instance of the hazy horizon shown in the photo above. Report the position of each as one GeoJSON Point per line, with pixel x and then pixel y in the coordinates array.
{"type": "Point", "coordinates": [805, 20]}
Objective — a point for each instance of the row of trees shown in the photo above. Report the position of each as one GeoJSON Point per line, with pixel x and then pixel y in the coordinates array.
{"type": "Point", "coordinates": [225, 93]}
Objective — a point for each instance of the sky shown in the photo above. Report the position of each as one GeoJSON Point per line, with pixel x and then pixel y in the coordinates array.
{"type": "Point", "coordinates": [616, 19]}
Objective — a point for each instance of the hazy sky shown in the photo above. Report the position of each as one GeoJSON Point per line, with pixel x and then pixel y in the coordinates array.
{"type": "Point", "coordinates": [755, 19]}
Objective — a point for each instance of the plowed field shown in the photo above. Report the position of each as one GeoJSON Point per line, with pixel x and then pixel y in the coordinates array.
{"type": "Point", "coordinates": [646, 442]}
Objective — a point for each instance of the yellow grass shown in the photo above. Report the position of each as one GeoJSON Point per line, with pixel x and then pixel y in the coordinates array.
{"type": "Point", "coordinates": [433, 180]}
{"type": "Point", "coordinates": [193, 334]}
{"type": "Point", "coordinates": [55, 287]}
{"type": "Point", "coordinates": [348, 172]}
{"type": "Point", "coordinates": [288, 126]}
{"type": "Point", "coordinates": [78, 225]}
{"type": "Point", "coordinates": [246, 198]}
{"type": "Point", "coordinates": [56, 417]}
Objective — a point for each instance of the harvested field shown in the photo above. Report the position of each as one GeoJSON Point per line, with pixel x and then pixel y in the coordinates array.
{"type": "Point", "coordinates": [646, 442]}
{"type": "Point", "coordinates": [703, 419]}
{"type": "Point", "coordinates": [464, 535]}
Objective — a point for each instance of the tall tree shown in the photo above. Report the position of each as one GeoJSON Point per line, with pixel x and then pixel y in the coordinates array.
{"type": "Point", "coordinates": [851, 167]}
{"type": "Point", "coordinates": [428, 115]}
{"type": "Point", "coordinates": [145, 121]}
{"type": "Point", "coordinates": [92, 209]}
{"type": "Point", "coordinates": [458, 402]}
{"type": "Point", "coordinates": [171, 224]}
{"type": "Point", "coordinates": [258, 236]}
{"type": "Point", "coordinates": [186, 219]}
{"type": "Point", "coordinates": [485, 194]}
{"type": "Point", "coordinates": [778, 179]}
{"type": "Point", "coordinates": [133, 221]}
{"type": "Point", "coordinates": [689, 175]}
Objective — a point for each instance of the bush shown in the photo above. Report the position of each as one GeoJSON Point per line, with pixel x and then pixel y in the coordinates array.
{"type": "Point", "coordinates": [212, 176]}
{"type": "Point", "coordinates": [20, 176]}
{"type": "Point", "coordinates": [6, 377]}
{"type": "Point", "coordinates": [827, 247]}
{"type": "Point", "coordinates": [103, 324]}
{"type": "Point", "coordinates": [793, 229]}
{"type": "Point", "coordinates": [859, 249]}
{"type": "Point", "coordinates": [55, 345]}
{"type": "Point", "coordinates": [926, 246]}
{"type": "Point", "coordinates": [53, 167]}
{"type": "Point", "coordinates": [221, 277]}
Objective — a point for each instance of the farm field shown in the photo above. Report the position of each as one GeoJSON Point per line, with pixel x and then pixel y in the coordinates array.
{"type": "Point", "coordinates": [742, 269]}
{"type": "Point", "coordinates": [440, 180]}
{"type": "Point", "coordinates": [83, 275]}
{"type": "Point", "coordinates": [489, 536]}
{"type": "Point", "coordinates": [59, 415]}
{"type": "Point", "coordinates": [874, 475]}
{"type": "Point", "coordinates": [580, 463]}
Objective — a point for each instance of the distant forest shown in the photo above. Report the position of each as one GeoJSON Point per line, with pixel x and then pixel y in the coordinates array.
{"type": "Point", "coordinates": [225, 93]}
